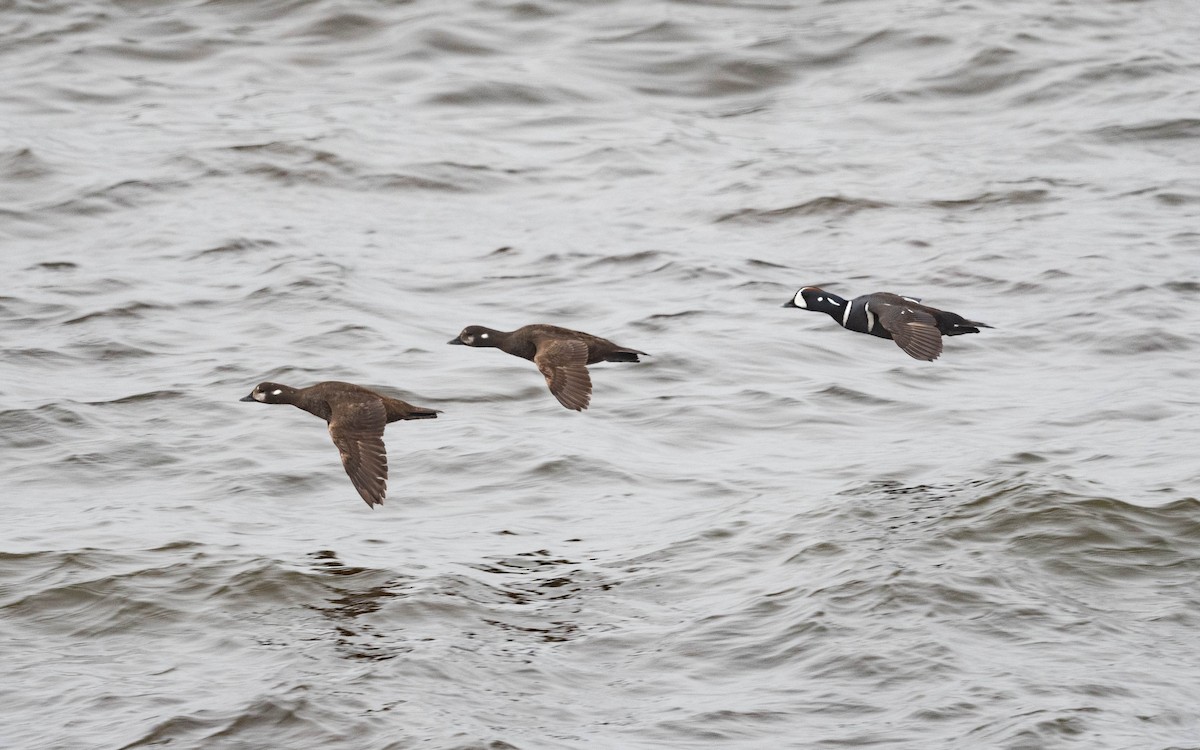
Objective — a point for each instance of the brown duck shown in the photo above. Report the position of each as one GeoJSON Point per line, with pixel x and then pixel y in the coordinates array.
{"type": "Point", "coordinates": [356, 418]}
{"type": "Point", "coordinates": [561, 354]}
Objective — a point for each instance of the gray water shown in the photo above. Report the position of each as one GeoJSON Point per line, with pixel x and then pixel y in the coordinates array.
{"type": "Point", "coordinates": [770, 533]}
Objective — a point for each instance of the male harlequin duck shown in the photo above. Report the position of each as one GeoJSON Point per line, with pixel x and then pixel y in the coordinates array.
{"type": "Point", "coordinates": [916, 328]}
{"type": "Point", "coordinates": [356, 418]}
{"type": "Point", "coordinates": [560, 353]}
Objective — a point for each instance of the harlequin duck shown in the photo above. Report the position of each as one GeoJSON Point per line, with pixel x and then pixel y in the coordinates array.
{"type": "Point", "coordinates": [916, 328]}
{"type": "Point", "coordinates": [356, 418]}
{"type": "Point", "coordinates": [561, 354]}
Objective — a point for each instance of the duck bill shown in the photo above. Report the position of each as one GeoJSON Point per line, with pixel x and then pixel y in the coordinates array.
{"type": "Point", "coordinates": [790, 303]}
{"type": "Point", "coordinates": [454, 341]}
{"type": "Point", "coordinates": [247, 398]}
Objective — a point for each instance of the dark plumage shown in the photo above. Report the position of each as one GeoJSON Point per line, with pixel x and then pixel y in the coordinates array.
{"type": "Point", "coordinates": [356, 418]}
{"type": "Point", "coordinates": [916, 328]}
{"type": "Point", "coordinates": [561, 354]}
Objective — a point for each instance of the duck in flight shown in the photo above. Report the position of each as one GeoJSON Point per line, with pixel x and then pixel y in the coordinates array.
{"type": "Point", "coordinates": [356, 418]}
{"type": "Point", "coordinates": [562, 355]}
{"type": "Point", "coordinates": [916, 328]}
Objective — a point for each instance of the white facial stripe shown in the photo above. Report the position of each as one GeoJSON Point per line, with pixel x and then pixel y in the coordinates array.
{"type": "Point", "coordinates": [798, 300]}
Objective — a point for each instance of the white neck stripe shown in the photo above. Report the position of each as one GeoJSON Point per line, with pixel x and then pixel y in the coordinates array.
{"type": "Point", "coordinates": [846, 315]}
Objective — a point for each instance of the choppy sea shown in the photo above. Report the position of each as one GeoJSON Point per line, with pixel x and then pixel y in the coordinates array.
{"type": "Point", "coordinates": [771, 533]}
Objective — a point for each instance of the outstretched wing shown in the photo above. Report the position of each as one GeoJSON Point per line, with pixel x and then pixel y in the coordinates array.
{"type": "Point", "coordinates": [563, 363]}
{"type": "Point", "coordinates": [914, 331]}
{"type": "Point", "coordinates": [357, 431]}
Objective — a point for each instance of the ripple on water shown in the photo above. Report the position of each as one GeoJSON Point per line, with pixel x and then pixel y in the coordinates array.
{"type": "Point", "coordinates": [826, 205]}
{"type": "Point", "coordinates": [889, 584]}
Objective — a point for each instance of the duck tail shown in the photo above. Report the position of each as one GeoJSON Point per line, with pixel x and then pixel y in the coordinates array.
{"type": "Point", "coordinates": [625, 355]}
{"type": "Point", "coordinates": [967, 327]}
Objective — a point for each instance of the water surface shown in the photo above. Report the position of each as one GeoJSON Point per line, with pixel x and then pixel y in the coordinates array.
{"type": "Point", "coordinates": [770, 533]}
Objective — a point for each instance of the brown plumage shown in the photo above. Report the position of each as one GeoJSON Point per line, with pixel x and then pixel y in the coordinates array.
{"type": "Point", "coordinates": [562, 355]}
{"type": "Point", "coordinates": [356, 418]}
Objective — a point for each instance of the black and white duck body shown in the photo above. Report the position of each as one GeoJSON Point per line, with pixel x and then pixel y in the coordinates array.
{"type": "Point", "coordinates": [916, 328]}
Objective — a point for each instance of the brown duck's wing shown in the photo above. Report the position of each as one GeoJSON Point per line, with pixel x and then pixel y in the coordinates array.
{"type": "Point", "coordinates": [915, 331]}
{"type": "Point", "coordinates": [357, 431]}
{"type": "Point", "coordinates": [563, 363]}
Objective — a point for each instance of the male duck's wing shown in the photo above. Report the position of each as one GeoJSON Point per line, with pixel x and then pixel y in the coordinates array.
{"type": "Point", "coordinates": [915, 331]}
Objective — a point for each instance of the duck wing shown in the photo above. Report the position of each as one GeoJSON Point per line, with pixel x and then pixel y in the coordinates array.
{"type": "Point", "coordinates": [563, 362]}
{"type": "Point", "coordinates": [915, 331]}
{"type": "Point", "coordinates": [357, 431]}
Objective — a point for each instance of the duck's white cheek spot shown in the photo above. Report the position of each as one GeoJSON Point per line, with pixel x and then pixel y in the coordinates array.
{"type": "Point", "coordinates": [259, 396]}
{"type": "Point", "coordinates": [276, 392]}
{"type": "Point", "coordinates": [468, 339]}
{"type": "Point", "coordinates": [483, 335]}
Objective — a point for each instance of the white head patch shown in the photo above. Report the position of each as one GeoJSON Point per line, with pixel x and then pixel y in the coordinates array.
{"type": "Point", "coordinates": [483, 335]}
{"type": "Point", "coordinates": [277, 391]}
{"type": "Point", "coordinates": [259, 396]}
{"type": "Point", "coordinates": [798, 300]}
